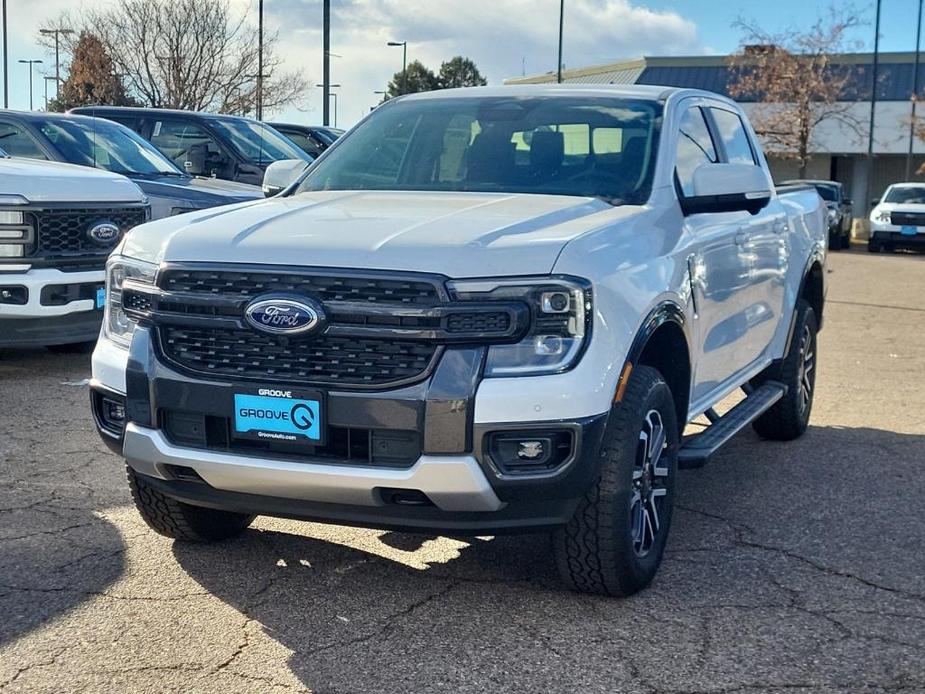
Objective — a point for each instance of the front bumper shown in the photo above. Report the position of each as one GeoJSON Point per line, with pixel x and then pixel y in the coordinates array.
{"type": "Point", "coordinates": [453, 485]}
{"type": "Point", "coordinates": [45, 306]}
{"type": "Point", "coordinates": [889, 235]}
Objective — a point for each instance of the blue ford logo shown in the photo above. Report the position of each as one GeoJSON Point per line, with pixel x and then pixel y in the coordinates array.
{"type": "Point", "coordinates": [284, 316]}
{"type": "Point", "coordinates": [104, 233]}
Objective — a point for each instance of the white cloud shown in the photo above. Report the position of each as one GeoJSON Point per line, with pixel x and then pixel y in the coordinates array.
{"type": "Point", "coordinates": [501, 36]}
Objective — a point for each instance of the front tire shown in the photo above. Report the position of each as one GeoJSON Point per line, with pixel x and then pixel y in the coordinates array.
{"type": "Point", "coordinates": [614, 542]}
{"type": "Point", "coordinates": [181, 521]}
{"type": "Point", "coordinates": [788, 417]}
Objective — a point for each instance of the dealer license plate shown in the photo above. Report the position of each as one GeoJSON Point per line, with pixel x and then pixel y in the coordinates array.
{"type": "Point", "coordinates": [279, 414]}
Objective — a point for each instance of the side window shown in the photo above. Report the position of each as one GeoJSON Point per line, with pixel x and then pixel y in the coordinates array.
{"type": "Point", "coordinates": [17, 142]}
{"type": "Point", "coordinates": [732, 133]}
{"type": "Point", "coordinates": [695, 147]}
{"type": "Point", "coordinates": [190, 146]}
{"type": "Point", "coordinates": [305, 142]}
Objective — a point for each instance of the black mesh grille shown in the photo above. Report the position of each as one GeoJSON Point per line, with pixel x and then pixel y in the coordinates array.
{"type": "Point", "coordinates": [136, 301]}
{"type": "Point", "coordinates": [323, 360]}
{"type": "Point", "coordinates": [248, 284]}
{"type": "Point", "coordinates": [915, 219]}
{"type": "Point", "coordinates": [66, 230]}
{"type": "Point", "coordinates": [478, 322]}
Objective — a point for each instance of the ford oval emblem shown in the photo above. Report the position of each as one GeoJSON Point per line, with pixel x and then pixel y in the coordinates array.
{"type": "Point", "coordinates": [104, 233]}
{"type": "Point", "coordinates": [284, 316]}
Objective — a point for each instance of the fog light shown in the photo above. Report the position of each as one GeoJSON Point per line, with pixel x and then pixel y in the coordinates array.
{"type": "Point", "coordinates": [522, 452]}
{"type": "Point", "coordinates": [113, 411]}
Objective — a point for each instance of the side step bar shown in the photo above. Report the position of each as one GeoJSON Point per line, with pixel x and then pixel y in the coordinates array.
{"type": "Point", "coordinates": [697, 449]}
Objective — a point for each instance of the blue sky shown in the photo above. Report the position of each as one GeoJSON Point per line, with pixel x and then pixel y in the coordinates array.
{"type": "Point", "coordinates": [504, 37]}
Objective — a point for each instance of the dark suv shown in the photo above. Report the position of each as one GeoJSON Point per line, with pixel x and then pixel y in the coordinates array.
{"type": "Point", "coordinates": [206, 144]}
{"type": "Point", "coordinates": [313, 139]}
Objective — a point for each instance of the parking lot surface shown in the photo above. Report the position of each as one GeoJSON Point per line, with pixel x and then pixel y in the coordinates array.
{"type": "Point", "coordinates": [791, 567]}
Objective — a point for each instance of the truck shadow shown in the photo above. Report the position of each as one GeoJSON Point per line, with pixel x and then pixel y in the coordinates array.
{"type": "Point", "coordinates": [410, 606]}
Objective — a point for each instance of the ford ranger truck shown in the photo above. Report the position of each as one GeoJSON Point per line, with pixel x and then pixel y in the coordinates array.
{"type": "Point", "coordinates": [58, 223]}
{"type": "Point", "coordinates": [481, 311]}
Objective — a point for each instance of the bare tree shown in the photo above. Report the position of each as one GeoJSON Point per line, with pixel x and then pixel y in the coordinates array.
{"type": "Point", "coordinates": [798, 82]}
{"type": "Point", "coordinates": [190, 54]}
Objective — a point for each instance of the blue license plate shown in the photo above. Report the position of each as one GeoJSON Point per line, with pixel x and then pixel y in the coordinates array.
{"type": "Point", "coordinates": [908, 230]}
{"type": "Point", "coordinates": [279, 414]}
{"type": "Point", "coordinates": [101, 297]}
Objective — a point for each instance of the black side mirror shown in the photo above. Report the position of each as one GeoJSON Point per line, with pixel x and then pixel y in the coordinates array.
{"type": "Point", "coordinates": [847, 201]}
{"type": "Point", "coordinates": [195, 160]}
{"type": "Point", "coordinates": [875, 202]}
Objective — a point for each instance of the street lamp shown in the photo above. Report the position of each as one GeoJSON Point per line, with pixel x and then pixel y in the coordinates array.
{"type": "Point", "coordinates": [57, 33]}
{"type": "Point", "coordinates": [327, 90]}
{"type": "Point", "coordinates": [561, 31]}
{"type": "Point", "coordinates": [49, 78]}
{"type": "Point", "coordinates": [404, 63]}
{"type": "Point", "coordinates": [30, 63]}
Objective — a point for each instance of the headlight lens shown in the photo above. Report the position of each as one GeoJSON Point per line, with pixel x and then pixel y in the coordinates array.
{"type": "Point", "coordinates": [881, 216]}
{"type": "Point", "coordinates": [117, 326]}
{"type": "Point", "coordinates": [16, 234]}
{"type": "Point", "coordinates": [560, 323]}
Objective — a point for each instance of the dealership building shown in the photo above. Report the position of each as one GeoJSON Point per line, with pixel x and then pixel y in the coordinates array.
{"type": "Point", "coordinates": [839, 152]}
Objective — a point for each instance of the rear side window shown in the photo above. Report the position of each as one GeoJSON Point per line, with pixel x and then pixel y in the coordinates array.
{"type": "Point", "coordinates": [15, 141]}
{"type": "Point", "coordinates": [732, 133]}
{"type": "Point", "coordinates": [695, 147]}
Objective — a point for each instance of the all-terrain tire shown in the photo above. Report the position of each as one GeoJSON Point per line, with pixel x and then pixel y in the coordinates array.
{"type": "Point", "coordinates": [788, 417]}
{"type": "Point", "coordinates": [597, 551]}
{"type": "Point", "coordinates": [182, 521]}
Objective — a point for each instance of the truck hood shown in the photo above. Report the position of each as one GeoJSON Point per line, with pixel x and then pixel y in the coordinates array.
{"type": "Point", "coordinates": [899, 207]}
{"type": "Point", "coordinates": [168, 194]}
{"type": "Point", "coordinates": [45, 181]}
{"type": "Point", "coordinates": [454, 234]}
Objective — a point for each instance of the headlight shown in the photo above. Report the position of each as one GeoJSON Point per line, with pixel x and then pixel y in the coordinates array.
{"type": "Point", "coordinates": [881, 216]}
{"type": "Point", "coordinates": [560, 322]}
{"type": "Point", "coordinates": [117, 326]}
{"type": "Point", "coordinates": [16, 234]}
{"type": "Point", "coordinates": [833, 213]}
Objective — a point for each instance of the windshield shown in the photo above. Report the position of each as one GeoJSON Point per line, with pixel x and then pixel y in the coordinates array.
{"type": "Point", "coordinates": [599, 147]}
{"type": "Point", "coordinates": [827, 192]}
{"type": "Point", "coordinates": [256, 142]}
{"type": "Point", "coordinates": [913, 195]}
{"type": "Point", "coordinates": [105, 145]}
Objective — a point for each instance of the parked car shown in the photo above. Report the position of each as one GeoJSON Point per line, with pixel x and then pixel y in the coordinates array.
{"type": "Point", "coordinates": [313, 139]}
{"type": "Point", "coordinates": [838, 210]}
{"type": "Point", "coordinates": [231, 148]}
{"type": "Point", "coordinates": [58, 223]}
{"type": "Point", "coordinates": [485, 310]}
{"type": "Point", "coordinates": [898, 219]}
{"type": "Point", "coordinates": [107, 145]}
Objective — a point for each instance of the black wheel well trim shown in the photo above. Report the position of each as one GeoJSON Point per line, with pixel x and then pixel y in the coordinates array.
{"type": "Point", "coordinates": [666, 312]}
{"type": "Point", "coordinates": [815, 260]}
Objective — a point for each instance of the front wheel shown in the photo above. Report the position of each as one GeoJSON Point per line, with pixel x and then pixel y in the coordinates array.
{"type": "Point", "coordinates": [614, 542]}
{"type": "Point", "coordinates": [182, 521]}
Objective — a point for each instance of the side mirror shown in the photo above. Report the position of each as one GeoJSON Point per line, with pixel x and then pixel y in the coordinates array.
{"type": "Point", "coordinates": [847, 201]}
{"type": "Point", "coordinates": [874, 202]}
{"type": "Point", "coordinates": [195, 161]}
{"type": "Point", "coordinates": [727, 188]}
{"type": "Point", "coordinates": [281, 174]}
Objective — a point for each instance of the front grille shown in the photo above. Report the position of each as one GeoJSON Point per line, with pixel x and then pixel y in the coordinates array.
{"type": "Point", "coordinates": [914, 219]}
{"type": "Point", "coordinates": [323, 360]}
{"type": "Point", "coordinates": [65, 231]}
{"type": "Point", "coordinates": [325, 287]}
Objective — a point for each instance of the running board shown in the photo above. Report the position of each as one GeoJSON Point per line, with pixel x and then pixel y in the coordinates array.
{"type": "Point", "coordinates": [697, 449]}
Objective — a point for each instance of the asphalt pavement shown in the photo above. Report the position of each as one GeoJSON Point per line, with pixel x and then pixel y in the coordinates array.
{"type": "Point", "coordinates": [794, 567]}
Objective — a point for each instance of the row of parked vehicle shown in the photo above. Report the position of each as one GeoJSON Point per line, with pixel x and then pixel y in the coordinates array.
{"type": "Point", "coordinates": [71, 186]}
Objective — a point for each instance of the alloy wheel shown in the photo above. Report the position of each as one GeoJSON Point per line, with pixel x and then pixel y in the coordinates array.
{"type": "Point", "coordinates": [650, 478]}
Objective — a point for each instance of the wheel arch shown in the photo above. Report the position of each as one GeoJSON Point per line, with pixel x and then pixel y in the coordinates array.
{"type": "Point", "coordinates": [662, 342]}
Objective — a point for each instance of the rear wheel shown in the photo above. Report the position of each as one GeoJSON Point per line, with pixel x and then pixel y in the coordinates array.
{"type": "Point", "coordinates": [181, 521]}
{"type": "Point", "coordinates": [788, 417]}
{"type": "Point", "coordinates": [613, 544]}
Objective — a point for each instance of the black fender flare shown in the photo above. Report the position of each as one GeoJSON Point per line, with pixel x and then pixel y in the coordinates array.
{"type": "Point", "coordinates": [667, 311]}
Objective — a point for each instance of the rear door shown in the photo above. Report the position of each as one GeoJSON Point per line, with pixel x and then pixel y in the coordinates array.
{"type": "Point", "coordinates": [764, 240]}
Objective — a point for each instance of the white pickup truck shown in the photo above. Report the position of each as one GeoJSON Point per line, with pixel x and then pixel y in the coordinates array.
{"type": "Point", "coordinates": [58, 223]}
{"type": "Point", "coordinates": [480, 311]}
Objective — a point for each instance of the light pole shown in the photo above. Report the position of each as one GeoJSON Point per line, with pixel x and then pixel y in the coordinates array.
{"type": "Point", "coordinates": [873, 111]}
{"type": "Point", "coordinates": [259, 100]}
{"type": "Point", "coordinates": [6, 91]}
{"type": "Point", "coordinates": [30, 63]}
{"type": "Point", "coordinates": [404, 63]}
{"type": "Point", "coordinates": [915, 92]}
{"type": "Point", "coordinates": [326, 59]}
{"type": "Point", "coordinates": [327, 90]}
{"type": "Point", "coordinates": [57, 34]}
{"type": "Point", "coordinates": [561, 28]}
{"type": "Point", "coordinates": [47, 79]}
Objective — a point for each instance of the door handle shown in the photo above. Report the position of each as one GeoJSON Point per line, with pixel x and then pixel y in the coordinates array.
{"type": "Point", "coordinates": [741, 238]}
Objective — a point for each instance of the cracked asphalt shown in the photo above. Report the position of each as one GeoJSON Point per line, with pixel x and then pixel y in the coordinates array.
{"type": "Point", "coordinates": [791, 567]}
